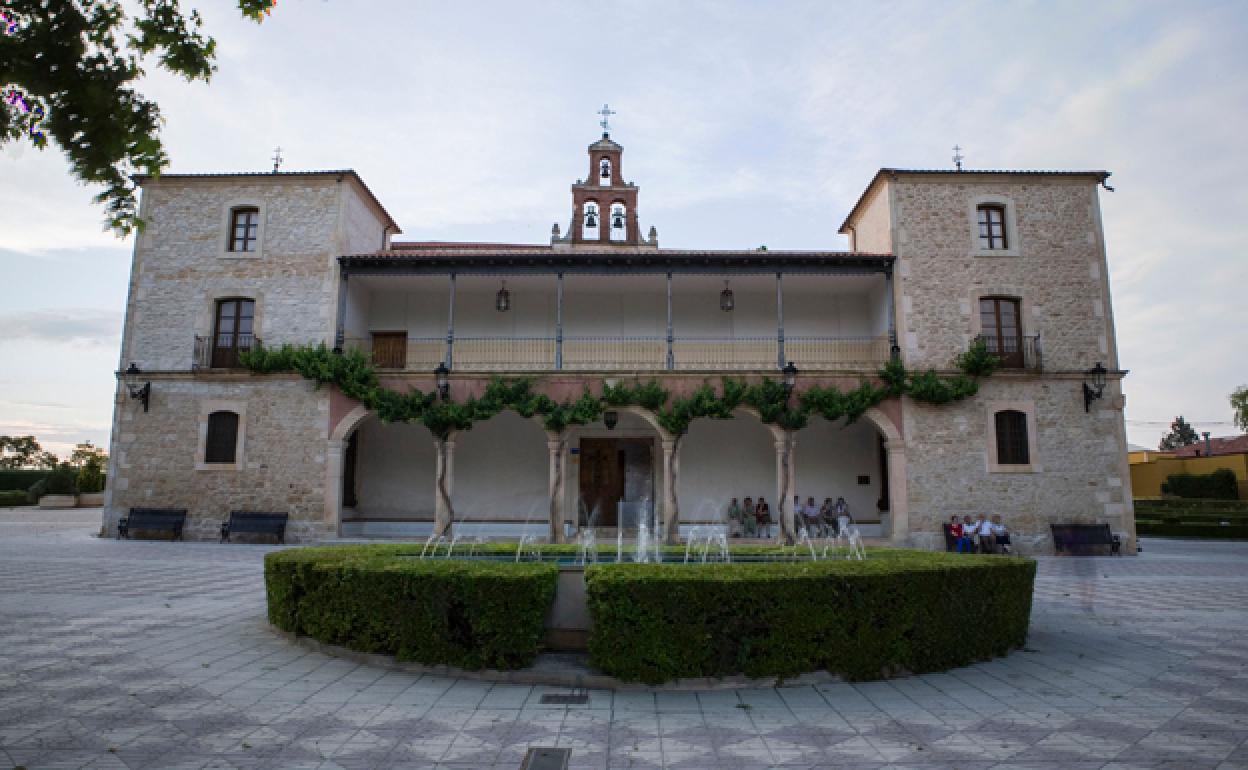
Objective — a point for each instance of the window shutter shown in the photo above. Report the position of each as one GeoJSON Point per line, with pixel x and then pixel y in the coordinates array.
{"type": "Point", "coordinates": [222, 437]}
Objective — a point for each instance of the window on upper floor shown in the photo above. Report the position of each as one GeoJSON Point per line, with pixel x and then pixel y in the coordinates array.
{"type": "Point", "coordinates": [390, 350]}
{"type": "Point", "coordinates": [1012, 443]}
{"type": "Point", "coordinates": [992, 230]}
{"type": "Point", "coordinates": [244, 226]}
{"type": "Point", "coordinates": [221, 444]}
{"type": "Point", "coordinates": [1001, 329]}
{"type": "Point", "coordinates": [233, 331]}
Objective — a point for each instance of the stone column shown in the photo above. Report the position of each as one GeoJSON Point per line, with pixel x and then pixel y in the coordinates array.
{"type": "Point", "coordinates": [898, 499]}
{"type": "Point", "coordinates": [442, 513]}
{"type": "Point", "coordinates": [668, 513]}
{"type": "Point", "coordinates": [786, 482]}
{"type": "Point", "coordinates": [333, 484]}
{"type": "Point", "coordinates": [556, 448]}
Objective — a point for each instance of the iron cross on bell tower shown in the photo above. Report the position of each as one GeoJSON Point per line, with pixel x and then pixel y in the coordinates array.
{"type": "Point", "coordinates": [606, 113]}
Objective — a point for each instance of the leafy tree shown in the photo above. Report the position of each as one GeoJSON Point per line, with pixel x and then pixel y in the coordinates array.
{"type": "Point", "coordinates": [1239, 402]}
{"type": "Point", "coordinates": [68, 70]}
{"type": "Point", "coordinates": [90, 461]}
{"type": "Point", "coordinates": [1181, 434]}
{"type": "Point", "coordinates": [18, 451]}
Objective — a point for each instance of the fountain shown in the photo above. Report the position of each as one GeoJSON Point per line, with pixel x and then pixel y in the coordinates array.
{"type": "Point", "coordinates": [587, 549]}
{"type": "Point", "coordinates": [803, 538]}
{"type": "Point", "coordinates": [529, 541]}
{"type": "Point", "coordinates": [434, 540]}
{"type": "Point", "coordinates": [856, 549]}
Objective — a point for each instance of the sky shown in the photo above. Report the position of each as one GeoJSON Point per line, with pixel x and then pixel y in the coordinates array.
{"type": "Point", "coordinates": [744, 123]}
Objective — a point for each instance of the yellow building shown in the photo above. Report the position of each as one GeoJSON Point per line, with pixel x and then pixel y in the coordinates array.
{"type": "Point", "coordinates": [1150, 468]}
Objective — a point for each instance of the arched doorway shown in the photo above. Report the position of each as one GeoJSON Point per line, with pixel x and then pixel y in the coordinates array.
{"type": "Point", "coordinates": [501, 475]}
{"type": "Point", "coordinates": [615, 475]}
{"type": "Point", "coordinates": [387, 480]}
{"type": "Point", "coordinates": [723, 459]}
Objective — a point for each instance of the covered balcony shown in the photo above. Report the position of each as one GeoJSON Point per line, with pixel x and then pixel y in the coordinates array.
{"type": "Point", "coordinates": [729, 320]}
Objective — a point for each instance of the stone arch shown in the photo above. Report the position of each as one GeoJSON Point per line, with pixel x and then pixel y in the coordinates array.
{"type": "Point", "coordinates": [714, 451]}
{"type": "Point", "coordinates": [500, 480]}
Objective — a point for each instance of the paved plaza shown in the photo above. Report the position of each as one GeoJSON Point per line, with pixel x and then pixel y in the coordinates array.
{"type": "Point", "coordinates": [158, 655]}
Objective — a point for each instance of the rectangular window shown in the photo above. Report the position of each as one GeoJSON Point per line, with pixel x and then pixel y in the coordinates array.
{"type": "Point", "coordinates": [222, 438]}
{"type": "Point", "coordinates": [1000, 322]}
{"type": "Point", "coordinates": [233, 332]}
{"type": "Point", "coordinates": [992, 227]}
{"type": "Point", "coordinates": [243, 226]}
{"type": "Point", "coordinates": [1012, 447]}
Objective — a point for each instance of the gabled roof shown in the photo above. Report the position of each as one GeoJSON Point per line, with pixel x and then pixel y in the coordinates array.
{"type": "Point", "coordinates": [1228, 445]}
{"type": "Point", "coordinates": [394, 227]}
{"type": "Point", "coordinates": [1098, 176]}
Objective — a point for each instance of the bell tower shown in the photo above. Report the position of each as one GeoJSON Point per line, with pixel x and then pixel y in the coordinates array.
{"type": "Point", "coordinates": [604, 206]}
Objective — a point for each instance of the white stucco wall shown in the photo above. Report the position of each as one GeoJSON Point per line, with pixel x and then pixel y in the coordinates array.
{"type": "Point", "coordinates": [394, 475]}
{"type": "Point", "coordinates": [502, 471]}
{"type": "Point", "coordinates": [830, 458]}
{"type": "Point", "coordinates": [722, 459]}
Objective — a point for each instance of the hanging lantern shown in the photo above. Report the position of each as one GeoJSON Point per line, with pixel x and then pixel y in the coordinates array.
{"type": "Point", "coordinates": [726, 300]}
{"type": "Point", "coordinates": [610, 418]}
{"type": "Point", "coordinates": [591, 218]}
{"type": "Point", "coordinates": [617, 220]}
{"type": "Point", "coordinates": [502, 302]}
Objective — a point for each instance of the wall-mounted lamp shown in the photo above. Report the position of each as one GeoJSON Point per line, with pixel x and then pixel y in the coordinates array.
{"type": "Point", "coordinates": [790, 379]}
{"type": "Point", "coordinates": [502, 301]}
{"type": "Point", "coordinates": [1097, 389]}
{"type": "Point", "coordinates": [611, 418]}
{"type": "Point", "coordinates": [441, 376]}
{"type": "Point", "coordinates": [141, 393]}
{"type": "Point", "coordinates": [726, 300]}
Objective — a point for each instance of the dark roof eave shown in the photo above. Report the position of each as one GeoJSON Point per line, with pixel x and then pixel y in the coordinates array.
{"type": "Point", "coordinates": [553, 261]}
{"type": "Point", "coordinates": [1100, 176]}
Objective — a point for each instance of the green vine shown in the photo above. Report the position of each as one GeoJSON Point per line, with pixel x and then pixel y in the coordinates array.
{"type": "Point", "coordinates": [354, 375]}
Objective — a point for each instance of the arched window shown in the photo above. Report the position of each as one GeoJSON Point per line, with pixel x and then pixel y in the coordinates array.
{"type": "Point", "coordinates": [222, 441]}
{"type": "Point", "coordinates": [592, 220]}
{"type": "Point", "coordinates": [1012, 445]}
{"type": "Point", "coordinates": [619, 222]}
{"type": "Point", "coordinates": [244, 225]}
{"type": "Point", "coordinates": [992, 232]}
{"type": "Point", "coordinates": [604, 172]}
{"type": "Point", "coordinates": [233, 332]}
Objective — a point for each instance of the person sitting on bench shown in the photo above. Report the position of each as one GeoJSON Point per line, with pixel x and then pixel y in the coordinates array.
{"type": "Point", "coordinates": [1000, 533]}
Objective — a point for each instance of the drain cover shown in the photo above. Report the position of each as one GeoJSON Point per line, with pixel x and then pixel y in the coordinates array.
{"type": "Point", "coordinates": [546, 759]}
{"type": "Point", "coordinates": [565, 699]}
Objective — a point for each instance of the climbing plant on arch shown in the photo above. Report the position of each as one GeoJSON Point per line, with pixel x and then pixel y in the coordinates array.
{"type": "Point", "coordinates": [353, 373]}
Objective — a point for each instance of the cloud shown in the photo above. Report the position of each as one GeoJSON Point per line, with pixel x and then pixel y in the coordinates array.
{"type": "Point", "coordinates": [76, 327]}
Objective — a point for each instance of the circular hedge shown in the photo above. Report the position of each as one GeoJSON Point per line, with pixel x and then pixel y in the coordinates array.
{"type": "Point", "coordinates": [897, 612]}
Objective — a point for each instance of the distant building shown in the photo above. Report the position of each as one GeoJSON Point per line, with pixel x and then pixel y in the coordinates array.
{"type": "Point", "coordinates": [937, 259]}
{"type": "Point", "coordinates": [1151, 468]}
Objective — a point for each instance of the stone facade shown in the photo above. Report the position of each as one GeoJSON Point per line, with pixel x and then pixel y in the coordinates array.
{"type": "Point", "coordinates": [1056, 266]}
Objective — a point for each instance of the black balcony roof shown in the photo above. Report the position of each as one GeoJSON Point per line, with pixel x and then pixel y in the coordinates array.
{"type": "Point", "coordinates": [443, 257]}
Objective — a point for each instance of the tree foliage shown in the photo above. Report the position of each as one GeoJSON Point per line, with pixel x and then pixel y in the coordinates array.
{"type": "Point", "coordinates": [24, 452]}
{"type": "Point", "coordinates": [1239, 403]}
{"type": "Point", "coordinates": [69, 71]}
{"type": "Point", "coordinates": [1181, 434]}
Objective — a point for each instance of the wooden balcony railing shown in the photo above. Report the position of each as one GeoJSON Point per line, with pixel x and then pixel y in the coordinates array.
{"type": "Point", "coordinates": [221, 352]}
{"type": "Point", "coordinates": [1015, 352]}
{"type": "Point", "coordinates": [633, 353]}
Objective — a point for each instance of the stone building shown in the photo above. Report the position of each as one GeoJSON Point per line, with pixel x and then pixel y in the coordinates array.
{"type": "Point", "coordinates": [936, 260]}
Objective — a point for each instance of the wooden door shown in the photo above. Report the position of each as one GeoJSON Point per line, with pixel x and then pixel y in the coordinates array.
{"type": "Point", "coordinates": [602, 478]}
{"type": "Point", "coordinates": [1003, 329]}
{"type": "Point", "coordinates": [390, 350]}
{"type": "Point", "coordinates": [233, 332]}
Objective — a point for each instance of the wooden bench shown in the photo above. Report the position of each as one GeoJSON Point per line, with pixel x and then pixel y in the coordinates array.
{"type": "Point", "coordinates": [1069, 537]}
{"type": "Point", "coordinates": [152, 519]}
{"type": "Point", "coordinates": [258, 522]}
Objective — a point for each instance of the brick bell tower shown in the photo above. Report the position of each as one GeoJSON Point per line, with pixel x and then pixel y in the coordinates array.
{"type": "Point", "coordinates": [604, 206]}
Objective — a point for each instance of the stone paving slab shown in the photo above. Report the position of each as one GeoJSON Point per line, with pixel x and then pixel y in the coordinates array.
{"type": "Point", "coordinates": [142, 654]}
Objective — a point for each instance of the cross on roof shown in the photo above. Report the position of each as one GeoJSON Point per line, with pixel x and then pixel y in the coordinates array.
{"type": "Point", "coordinates": [277, 159]}
{"type": "Point", "coordinates": [957, 157]}
{"type": "Point", "coordinates": [606, 113]}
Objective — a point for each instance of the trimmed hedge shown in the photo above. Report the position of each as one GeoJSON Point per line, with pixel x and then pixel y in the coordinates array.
{"type": "Point", "coordinates": [1169, 506]}
{"type": "Point", "coordinates": [1238, 529]}
{"type": "Point", "coordinates": [470, 614]}
{"type": "Point", "coordinates": [900, 611]}
{"type": "Point", "coordinates": [11, 497]}
{"type": "Point", "coordinates": [1219, 485]}
{"type": "Point", "coordinates": [20, 478]}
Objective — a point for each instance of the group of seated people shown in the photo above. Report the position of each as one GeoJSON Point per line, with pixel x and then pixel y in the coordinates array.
{"type": "Point", "coordinates": [754, 519]}
{"type": "Point", "coordinates": [977, 536]}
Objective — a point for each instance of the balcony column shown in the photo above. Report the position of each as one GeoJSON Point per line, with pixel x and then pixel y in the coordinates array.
{"type": "Point", "coordinates": [786, 482]}
{"type": "Point", "coordinates": [340, 321]}
{"type": "Point", "coordinates": [559, 324]}
{"type": "Point", "coordinates": [894, 350]}
{"type": "Point", "coordinates": [779, 320]}
{"type": "Point", "coordinates": [898, 500]}
{"type": "Point", "coordinates": [450, 325]}
{"type": "Point", "coordinates": [443, 513]}
{"type": "Point", "coordinates": [556, 445]}
{"type": "Point", "coordinates": [333, 483]}
{"type": "Point", "coordinates": [671, 359]}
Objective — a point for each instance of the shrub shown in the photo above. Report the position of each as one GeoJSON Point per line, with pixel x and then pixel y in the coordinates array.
{"type": "Point", "coordinates": [469, 614]}
{"type": "Point", "coordinates": [12, 497]}
{"type": "Point", "coordinates": [1219, 485]}
{"type": "Point", "coordinates": [1236, 529]}
{"type": "Point", "coordinates": [20, 478]}
{"type": "Point", "coordinates": [62, 480]}
{"type": "Point", "coordinates": [897, 612]}
{"type": "Point", "coordinates": [37, 490]}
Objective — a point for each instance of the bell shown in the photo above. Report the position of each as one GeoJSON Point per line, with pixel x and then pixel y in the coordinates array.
{"type": "Point", "coordinates": [590, 219]}
{"type": "Point", "coordinates": [618, 222]}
